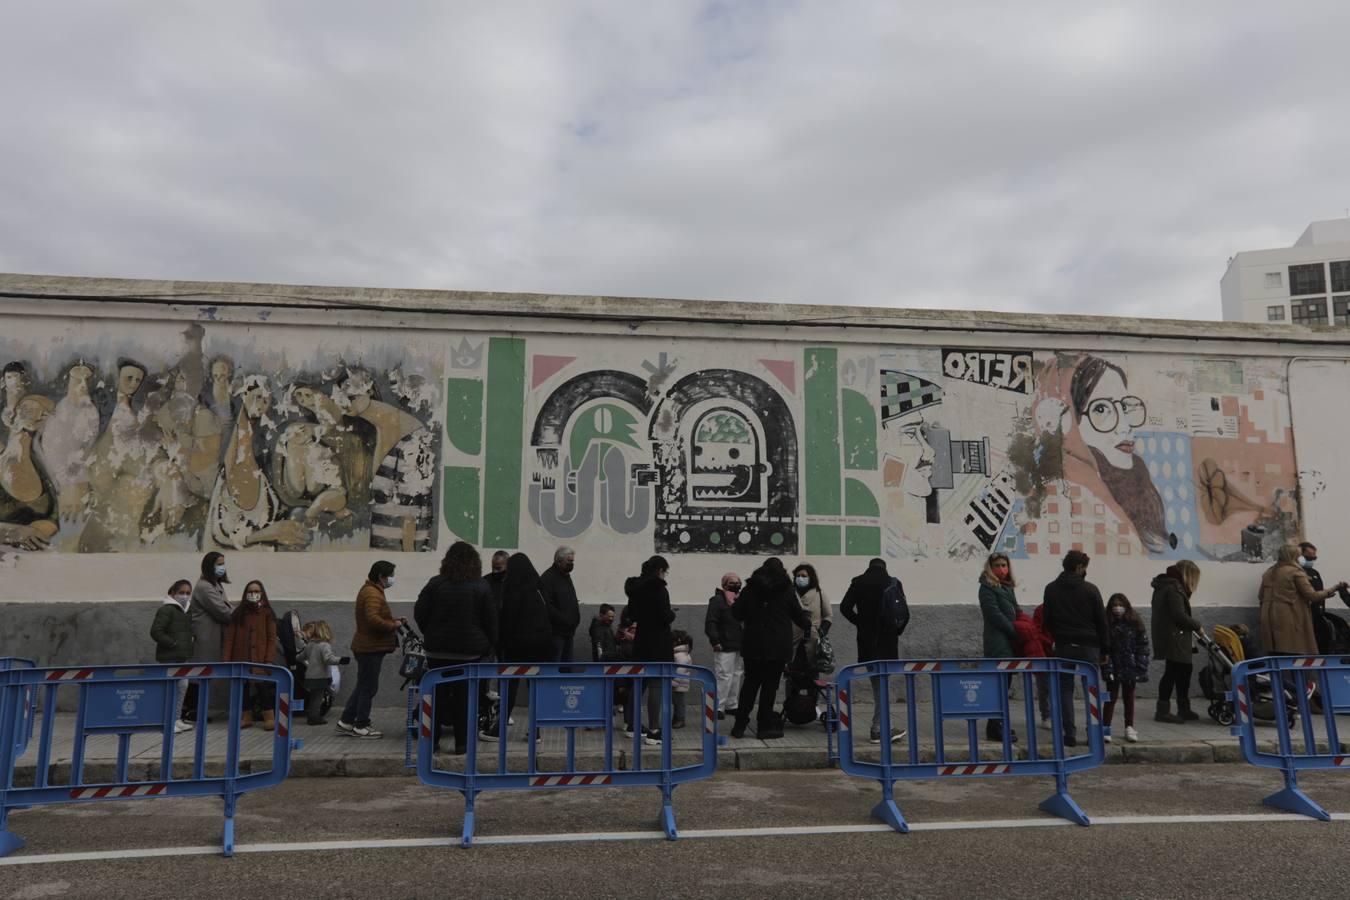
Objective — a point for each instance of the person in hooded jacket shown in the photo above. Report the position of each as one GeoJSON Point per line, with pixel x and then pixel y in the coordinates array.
{"type": "Point", "coordinates": [998, 607]}
{"type": "Point", "coordinates": [767, 609]}
{"type": "Point", "coordinates": [1172, 627]}
{"type": "Point", "coordinates": [649, 607]}
{"type": "Point", "coordinates": [526, 630]}
{"type": "Point", "coordinates": [171, 631]}
{"type": "Point", "coordinates": [724, 635]}
{"type": "Point", "coordinates": [877, 638]}
{"type": "Point", "coordinates": [458, 620]}
{"type": "Point", "coordinates": [1127, 660]}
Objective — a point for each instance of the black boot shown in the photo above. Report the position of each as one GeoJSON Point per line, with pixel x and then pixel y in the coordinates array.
{"type": "Point", "coordinates": [993, 731]}
{"type": "Point", "coordinates": [1184, 710]}
{"type": "Point", "coordinates": [1164, 713]}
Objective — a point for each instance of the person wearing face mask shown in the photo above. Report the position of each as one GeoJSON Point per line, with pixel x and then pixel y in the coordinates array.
{"type": "Point", "coordinates": [724, 634]}
{"type": "Point", "coordinates": [813, 601]}
{"type": "Point", "coordinates": [1287, 598]}
{"type": "Point", "coordinates": [560, 594]}
{"type": "Point", "coordinates": [209, 613]}
{"type": "Point", "coordinates": [1173, 623]}
{"type": "Point", "coordinates": [252, 637]}
{"type": "Point", "coordinates": [1127, 660]}
{"type": "Point", "coordinates": [373, 641]}
{"type": "Point", "coordinates": [172, 633]}
{"type": "Point", "coordinates": [998, 607]}
{"type": "Point", "coordinates": [1322, 627]}
{"type": "Point", "coordinates": [649, 605]}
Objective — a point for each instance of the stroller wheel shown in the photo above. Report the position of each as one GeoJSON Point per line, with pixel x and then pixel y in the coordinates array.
{"type": "Point", "coordinates": [1225, 716]}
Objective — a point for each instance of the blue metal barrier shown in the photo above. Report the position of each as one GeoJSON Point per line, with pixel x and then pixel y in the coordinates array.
{"type": "Point", "coordinates": [569, 697]}
{"type": "Point", "coordinates": [122, 701]}
{"type": "Point", "coordinates": [27, 701]}
{"type": "Point", "coordinates": [1278, 688]}
{"type": "Point", "coordinates": [970, 690]}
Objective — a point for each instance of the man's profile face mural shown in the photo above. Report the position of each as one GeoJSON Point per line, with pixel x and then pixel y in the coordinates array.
{"type": "Point", "coordinates": [908, 456]}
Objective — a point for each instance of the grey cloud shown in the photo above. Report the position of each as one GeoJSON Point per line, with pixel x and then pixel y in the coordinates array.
{"type": "Point", "coordinates": [1047, 158]}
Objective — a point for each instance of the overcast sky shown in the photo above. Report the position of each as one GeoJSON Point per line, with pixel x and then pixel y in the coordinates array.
{"type": "Point", "coordinates": [1013, 156]}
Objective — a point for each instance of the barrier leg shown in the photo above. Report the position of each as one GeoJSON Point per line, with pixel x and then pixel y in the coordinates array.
{"type": "Point", "coordinates": [228, 838]}
{"type": "Point", "coordinates": [887, 811]}
{"type": "Point", "coordinates": [668, 813]}
{"type": "Point", "coordinates": [1062, 805]}
{"type": "Point", "coordinates": [9, 841]}
{"type": "Point", "coordinates": [1292, 799]}
{"type": "Point", "coordinates": [466, 838]}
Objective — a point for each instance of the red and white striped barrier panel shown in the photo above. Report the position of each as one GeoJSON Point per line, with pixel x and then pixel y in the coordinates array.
{"type": "Point", "coordinates": [70, 674]}
{"type": "Point", "coordinates": [426, 716]}
{"type": "Point", "coordinates": [192, 672]}
{"type": "Point", "coordinates": [923, 667]}
{"type": "Point", "coordinates": [843, 710]}
{"type": "Point", "coordinates": [1015, 664]}
{"type": "Point", "coordinates": [623, 670]}
{"type": "Point", "coordinates": [565, 780]}
{"type": "Point", "coordinates": [709, 713]}
{"type": "Point", "coordinates": [1309, 662]}
{"type": "Point", "coordinates": [982, 769]}
{"type": "Point", "coordinates": [140, 790]}
{"type": "Point", "coordinates": [1094, 703]}
{"type": "Point", "coordinates": [283, 715]}
{"type": "Point", "coordinates": [517, 670]}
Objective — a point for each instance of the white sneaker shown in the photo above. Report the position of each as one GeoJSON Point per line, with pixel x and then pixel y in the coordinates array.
{"type": "Point", "coordinates": [345, 727]}
{"type": "Point", "coordinates": [1106, 738]}
{"type": "Point", "coordinates": [366, 732]}
{"type": "Point", "coordinates": [1131, 735]}
{"type": "Point", "coordinates": [181, 726]}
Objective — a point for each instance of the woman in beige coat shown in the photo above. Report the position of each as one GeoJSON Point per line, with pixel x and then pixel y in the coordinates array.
{"type": "Point", "coordinates": [1286, 615]}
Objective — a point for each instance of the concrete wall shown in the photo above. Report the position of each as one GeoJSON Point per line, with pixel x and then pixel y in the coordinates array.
{"type": "Point", "coordinates": [307, 432]}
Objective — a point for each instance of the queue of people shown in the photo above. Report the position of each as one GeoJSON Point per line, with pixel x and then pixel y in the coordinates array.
{"type": "Point", "coordinates": [755, 627]}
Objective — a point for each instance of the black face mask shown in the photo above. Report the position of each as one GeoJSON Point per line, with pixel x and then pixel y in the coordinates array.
{"type": "Point", "coordinates": [567, 566]}
{"type": "Point", "coordinates": [733, 589]}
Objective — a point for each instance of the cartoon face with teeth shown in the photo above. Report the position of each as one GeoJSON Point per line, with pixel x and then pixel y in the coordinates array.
{"type": "Point", "coordinates": [726, 467]}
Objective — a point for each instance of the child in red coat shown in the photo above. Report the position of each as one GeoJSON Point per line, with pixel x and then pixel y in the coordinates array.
{"type": "Point", "coordinates": [1035, 642]}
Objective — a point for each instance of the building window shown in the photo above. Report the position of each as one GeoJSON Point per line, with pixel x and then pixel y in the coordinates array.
{"type": "Point", "coordinates": [1341, 307]}
{"type": "Point", "coordinates": [1307, 279]}
{"type": "Point", "coordinates": [1309, 312]}
{"type": "Point", "coordinates": [1274, 281]}
{"type": "Point", "coordinates": [1340, 275]}
{"type": "Point", "coordinates": [1275, 313]}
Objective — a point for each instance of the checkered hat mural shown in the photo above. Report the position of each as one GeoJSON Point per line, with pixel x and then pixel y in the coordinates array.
{"type": "Point", "coordinates": [902, 393]}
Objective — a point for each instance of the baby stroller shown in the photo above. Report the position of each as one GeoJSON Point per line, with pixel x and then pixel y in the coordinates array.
{"type": "Point", "coordinates": [802, 704]}
{"type": "Point", "coordinates": [1224, 650]}
{"type": "Point", "coordinates": [414, 664]}
{"type": "Point", "coordinates": [292, 640]}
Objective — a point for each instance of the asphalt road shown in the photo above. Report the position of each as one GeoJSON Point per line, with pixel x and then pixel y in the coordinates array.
{"type": "Point", "coordinates": [990, 841]}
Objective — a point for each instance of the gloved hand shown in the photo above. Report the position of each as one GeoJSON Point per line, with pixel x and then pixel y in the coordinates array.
{"type": "Point", "coordinates": [825, 627]}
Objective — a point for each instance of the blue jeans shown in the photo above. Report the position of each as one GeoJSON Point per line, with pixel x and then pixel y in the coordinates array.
{"type": "Point", "coordinates": [1083, 653]}
{"type": "Point", "coordinates": [357, 710]}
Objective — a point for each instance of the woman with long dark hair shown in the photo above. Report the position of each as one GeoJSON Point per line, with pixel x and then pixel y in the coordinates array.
{"type": "Point", "coordinates": [526, 632]}
{"type": "Point", "coordinates": [252, 637]}
{"type": "Point", "coordinates": [458, 620]}
{"type": "Point", "coordinates": [649, 606]}
{"type": "Point", "coordinates": [209, 613]}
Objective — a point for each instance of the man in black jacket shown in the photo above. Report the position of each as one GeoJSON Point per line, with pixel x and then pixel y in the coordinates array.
{"type": "Point", "coordinates": [564, 611]}
{"type": "Point", "coordinates": [1322, 626]}
{"type": "Point", "coordinates": [767, 610]}
{"type": "Point", "coordinates": [877, 638]}
{"type": "Point", "coordinates": [1075, 618]}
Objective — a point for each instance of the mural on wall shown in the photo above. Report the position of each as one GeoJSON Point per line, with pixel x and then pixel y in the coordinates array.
{"type": "Point", "coordinates": [223, 442]}
{"type": "Point", "coordinates": [906, 453]}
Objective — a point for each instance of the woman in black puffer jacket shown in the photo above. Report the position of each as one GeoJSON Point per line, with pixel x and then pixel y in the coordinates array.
{"type": "Point", "coordinates": [458, 620]}
{"type": "Point", "coordinates": [767, 608]}
{"type": "Point", "coordinates": [649, 608]}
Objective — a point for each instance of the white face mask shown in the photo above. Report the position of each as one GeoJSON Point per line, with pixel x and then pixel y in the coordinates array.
{"type": "Point", "coordinates": [1117, 611]}
{"type": "Point", "coordinates": [1304, 562]}
{"type": "Point", "coordinates": [182, 599]}
{"type": "Point", "coordinates": [220, 571]}
{"type": "Point", "coordinates": [389, 582]}
{"type": "Point", "coordinates": [803, 581]}
{"type": "Point", "coordinates": [253, 598]}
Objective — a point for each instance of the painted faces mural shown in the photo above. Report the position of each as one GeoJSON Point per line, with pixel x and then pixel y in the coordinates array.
{"type": "Point", "coordinates": [218, 438]}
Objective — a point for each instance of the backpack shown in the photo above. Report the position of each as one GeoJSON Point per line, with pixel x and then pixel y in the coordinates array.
{"type": "Point", "coordinates": [414, 664]}
{"type": "Point", "coordinates": [894, 607]}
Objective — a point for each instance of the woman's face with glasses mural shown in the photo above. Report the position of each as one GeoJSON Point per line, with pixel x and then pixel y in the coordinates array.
{"type": "Point", "coordinates": [1108, 420]}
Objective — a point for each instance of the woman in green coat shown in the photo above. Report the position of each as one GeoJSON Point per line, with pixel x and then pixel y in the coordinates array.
{"type": "Point", "coordinates": [998, 606]}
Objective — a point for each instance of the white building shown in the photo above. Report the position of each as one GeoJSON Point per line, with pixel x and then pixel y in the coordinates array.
{"type": "Point", "coordinates": [1306, 284]}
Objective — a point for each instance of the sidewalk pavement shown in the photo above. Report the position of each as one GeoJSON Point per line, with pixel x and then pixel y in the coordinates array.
{"type": "Point", "coordinates": [325, 753]}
